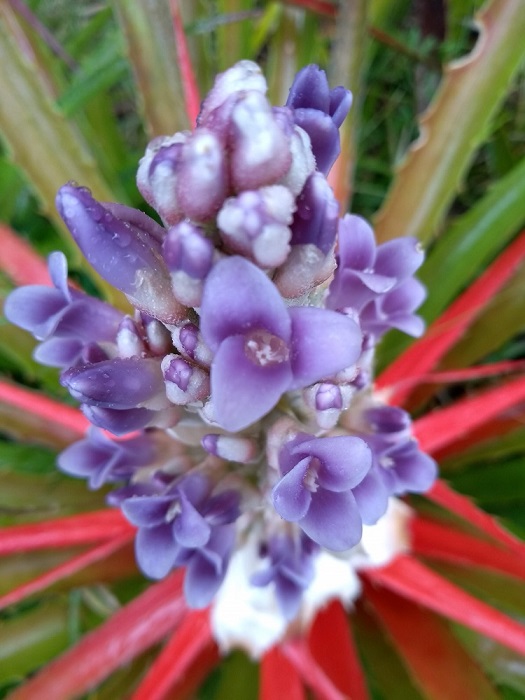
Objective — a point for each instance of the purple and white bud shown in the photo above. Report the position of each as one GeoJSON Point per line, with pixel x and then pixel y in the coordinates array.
{"type": "Point", "coordinates": [130, 342]}
{"type": "Point", "coordinates": [121, 422]}
{"type": "Point", "coordinates": [127, 256]}
{"type": "Point", "coordinates": [317, 215]}
{"type": "Point", "coordinates": [186, 383]}
{"type": "Point", "coordinates": [303, 161]}
{"type": "Point", "coordinates": [189, 257]}
{"type": "Point", "coordinates": [260, 150]}
{"type": "Point", "coordinates": [229, 447]}
{"type": "Point", "coordinates": [256, 224]}
{"type": "Point", "coordinates": [305, 268]}
{"type": "Point", "coordinates": [157, 335]}
{"type": "Point", "coordinates": [163, 176]}
{"type": "Point", "coordinates": [202, 182]}
{"type": "Point", "coordinates": [143, 173]}
{"type": "Point", "coordinates": [189, 342]}
{"type": "Point", "coordinates": [243, 76]}
{"type": "Point", "coordinates": [118, 384]}
{"type": "Point", "coordinates": [320, 112]}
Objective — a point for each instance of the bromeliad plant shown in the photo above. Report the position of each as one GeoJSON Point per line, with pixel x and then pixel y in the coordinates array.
{"type": "Point", "coordinates": [230, 390]}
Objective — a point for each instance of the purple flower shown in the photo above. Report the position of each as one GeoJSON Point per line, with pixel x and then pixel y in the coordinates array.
{"type": "Point", "coordinates": [127, 255]}
{"type": "Point", "coordinates": [256, 224]}
{"type": "Point", "coordinates": [262, 348]}
{"type": "Point", "coordinates": [68, 321]}
{"type": "Point", "coordinates": [316, 489]}
{"type": "Point", "coordinates": [101, 460]}
{"type": "Point", "coordinates": [185, 525]}
{"type": "Point", "coordinates": [398, 466]}
{"type": "Point", "coordinates": [320, 112]}
{"type": "Point", "coordinates": [377, 281]}
{"type": "Point", "coordinates": [189, 257]}
{"type": "Point", "coordinates": [290, 569]}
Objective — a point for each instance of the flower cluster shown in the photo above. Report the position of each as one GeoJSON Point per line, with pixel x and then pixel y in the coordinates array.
{"type": "Point", "coordinates": [248, 445]}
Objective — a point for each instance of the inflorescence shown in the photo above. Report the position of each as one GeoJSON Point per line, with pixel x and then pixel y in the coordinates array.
{"type": "Point", "coordinates": [251, 448]}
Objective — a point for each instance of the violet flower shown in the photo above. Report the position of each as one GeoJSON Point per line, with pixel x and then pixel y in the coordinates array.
{"type": "Point", "coordinates": [318, 475]}
{"type": "Point", "coordinates": [290, 568]}
{"type": "Point", "coordinates": [101, 460]}
{"type": "Point", "coordinates": [185, 524]}
{"type": "Point", "coordinates": [262, 349]}
{"type": "Point", "coordinates": [66, 320]}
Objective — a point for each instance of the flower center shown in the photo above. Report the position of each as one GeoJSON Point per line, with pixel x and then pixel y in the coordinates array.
{"type": "Point", "coordinates": [263, 348]}
{"type": "Point", "coordinates": [310, 477]}
{"type": "Point", "coordinates": [173, 511]}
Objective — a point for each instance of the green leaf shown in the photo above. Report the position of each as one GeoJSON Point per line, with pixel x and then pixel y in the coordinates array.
{"type": "Point", "coordinates": [474, 240]}
{"type": "Point", "coordinates": [148, 32]}
{"type": "Point", "coordinates": [26, 459]}
{"type": "Point", "coordinates": [454, 126]}
{"type": "Point", "coordinates": [502, 320]}
{"type": "Point", "coordinates": [102, 70]}
{"type": "Point", "coordinates": [33, 638]}
{"type": "Point", "coordinates": [42, 142]}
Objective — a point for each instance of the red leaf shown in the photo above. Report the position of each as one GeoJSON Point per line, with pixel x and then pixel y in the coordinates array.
{"type": "Point", "coordinates": [437, 661]}
{"type": "Point", "coordinates": [460, 505]}
{"type": "Point", "coordinates": [333, 647]}
{"type": "Point", "coordinates": [36, 404]}
{"type": "Point", "coordinates": [64, 570]}
{"type": "Point", "coordinates": [411, 579]}
{"type": "Point", "coordinates": [321, 7]}
{"type": "Point", "coordinates": [191, 640]}
{"type": "Point", "coordinates": [189, 82]}
{"type": "Point", "coordinates": [279, 678]}
{"type": "Point", "coordinates": [462, 375]}
{"type": "Point", "coordinates": [312, 674]}
{"type": "Point", "coordinates": [19, 261]}
{"type": "Point", "coordinates": [64, 532]}
{"type": "Point", "coordinates": [449, 544]}
{"type": "Point", "coordinates": [125, 635]}
{"type": "Point", "coordinates": [440, 428]}
{"type": "Point", "coordinates": [424, 354]}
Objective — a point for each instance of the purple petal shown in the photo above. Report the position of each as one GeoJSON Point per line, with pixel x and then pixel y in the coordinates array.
{"type": "Point", "coordinates": [333, 520]}
{"type": "Point", "coordinates": [289, 597]}
{"type": "Point", "coordinates": [290, 497]}
{"type": "Point", "coordinates": [241, 391]}
{"type": "Point", "coordinates": [406, 297]}
{"type": "Point", "coordinates": [115, 383]}
{"type": "Point", "coordinates": [147, 511]}
{"type": "Point", "coordinates": [34, 308]}
{"type": "Point", "coordinates": [156, 551]}
{"type": "Point", "coordinates": [58, 352]}
{"type": "Point", "coordinates": [317, 214]}
{"type": "Point", "coordinates": [323, 342]}
{"type": "Point", "coordinates": [371, 497]}
{"type": "Point", "coordinates": [189, 528]}
{"type": "Point", "coordinates": [118, 422]}
{"type": "Point", "coordinates": [357, 247]}
{"type": "Point", "coordinates": [399, 258]}
{"type": "Point", "coordinates": [324, 136]}
{"type": "Point", "coordinates": [116, 250]}
{"type": "Point", "coordinates": [310, 90]}
{"type": "Point", "coordinates": [344, 460]}
{"type": "Point", "coordinates": [340, 103]}
{"type": "Point", "coordinates": [205, 572]}
{"type": "Point", "coordinates": [57, 264]}
{"type": "Point", "coordinates": [239, 297]}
